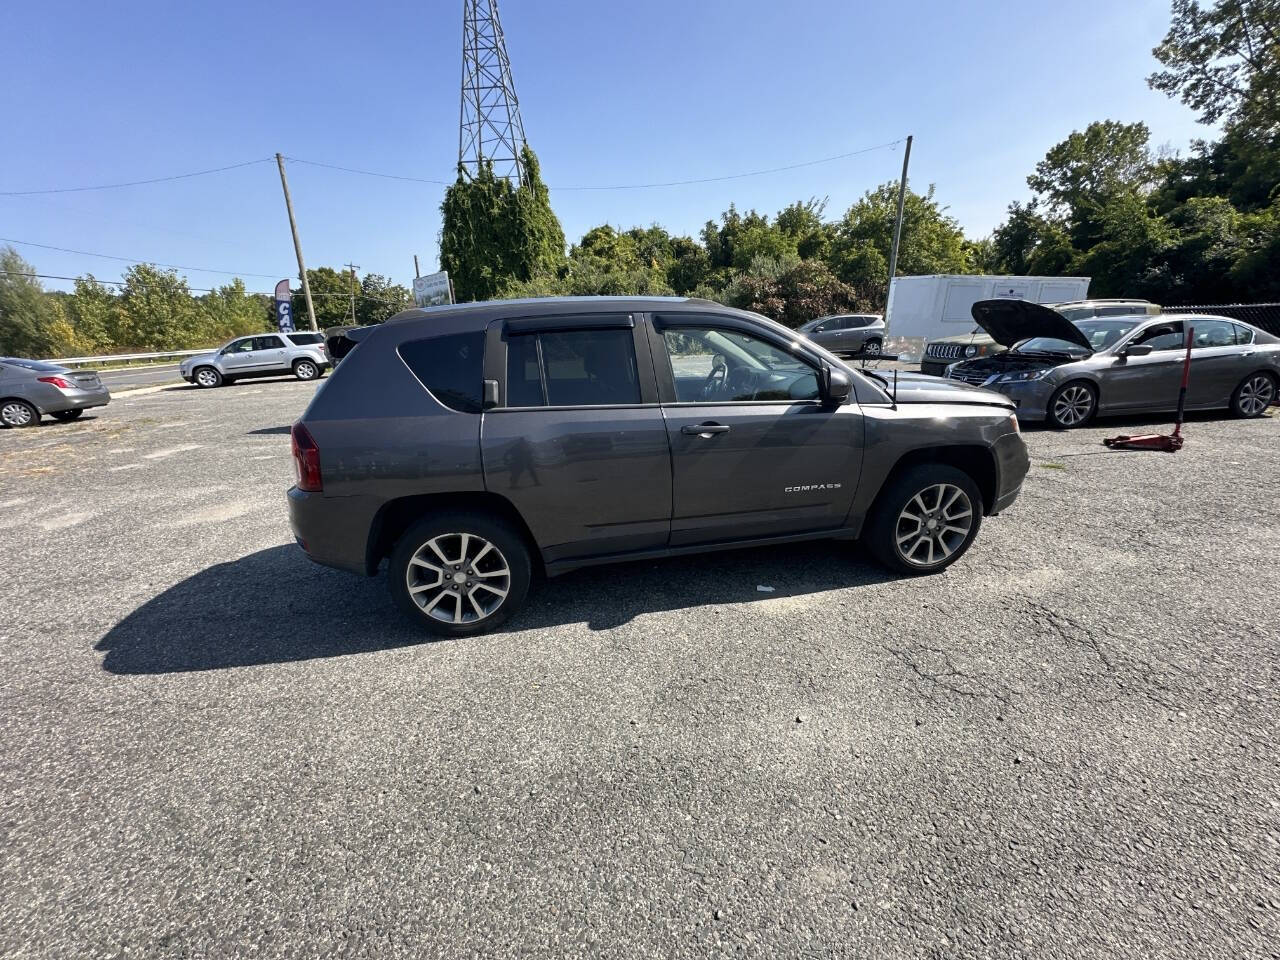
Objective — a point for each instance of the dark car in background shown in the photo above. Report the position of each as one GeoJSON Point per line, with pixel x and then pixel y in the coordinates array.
{"type": "Point", "coordinates": [471, 446]}
{"type": "Point", "coordinates": [847, 333]}
{"type": "Point", "coordinates": [32, 388]}
{"type": "Point", "coordinates": [1066, 372]}
{"type": "Point", "coordinates": [941, 353]}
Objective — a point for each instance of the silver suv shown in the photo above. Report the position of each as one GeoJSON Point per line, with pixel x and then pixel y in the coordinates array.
{"type": "Point", "coordinates": [262, 355]}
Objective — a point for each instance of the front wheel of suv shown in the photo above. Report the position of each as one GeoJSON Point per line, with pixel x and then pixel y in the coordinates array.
{"type": "Point", "coordinates": [207, 377]}
{"type": "Point", "coordinates": [925, 519]}
{"type": "Point", "coordinates": [458, 574]}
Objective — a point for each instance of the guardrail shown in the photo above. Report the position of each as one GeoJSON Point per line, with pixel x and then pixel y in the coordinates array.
{"type": "Point", "coordinates": [123, 357]}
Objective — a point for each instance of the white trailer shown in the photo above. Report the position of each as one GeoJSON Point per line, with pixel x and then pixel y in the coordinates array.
{"type": "Point", "coordinates": [936, 306]}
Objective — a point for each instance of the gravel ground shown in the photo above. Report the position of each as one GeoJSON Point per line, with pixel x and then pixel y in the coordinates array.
{"type": "Point", "coordinates": [1064, 746]}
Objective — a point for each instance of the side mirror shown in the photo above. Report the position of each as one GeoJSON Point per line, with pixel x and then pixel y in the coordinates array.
{"type": "Point", "coordinates": [1136, 350]}
{"type": "Point", "coordinates": [836, 386]}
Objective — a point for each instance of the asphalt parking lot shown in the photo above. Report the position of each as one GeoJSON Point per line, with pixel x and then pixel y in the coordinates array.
{"type": "Point", "coordinates": [1064, 746]}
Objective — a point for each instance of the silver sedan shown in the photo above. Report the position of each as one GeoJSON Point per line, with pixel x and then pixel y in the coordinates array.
{"type": "Point", "coordinates": [31, 388]}
{"type": "Point", "coordinates": [1066, 373]}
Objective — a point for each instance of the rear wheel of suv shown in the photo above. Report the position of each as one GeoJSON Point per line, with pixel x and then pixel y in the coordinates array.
{"type": "Point", "coordinates": [1252, 397]}
{"type": "Point", "coordinates": [207, 377]}
{"type": "Point", "coordinates": [925, 519]}
{"type": "Point", "coordinates": [18, 413]}
{"type": "Point", "coordinates": [458, 574]}
{"type": "Point", "coordinates": [1072, 405]}
{"type": "Point", "coordinates": [305, 370]}
{"type": "Point", "coordinates": [872, 346]}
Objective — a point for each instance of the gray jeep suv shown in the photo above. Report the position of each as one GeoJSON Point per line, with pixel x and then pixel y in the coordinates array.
{"type": "Point", "coordinates": [474, 445]}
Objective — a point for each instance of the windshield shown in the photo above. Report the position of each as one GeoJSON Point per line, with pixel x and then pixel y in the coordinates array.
{"type": "Point", "coordinates": [1100, 333]}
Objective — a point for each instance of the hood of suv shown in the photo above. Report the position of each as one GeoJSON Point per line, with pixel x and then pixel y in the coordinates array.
{"type": "Point", "coordinates": [189, 362]}
{"type": "Point", "coordinates": [921, 388]}
{"type": "Point", "coordinates": [1010, 321]}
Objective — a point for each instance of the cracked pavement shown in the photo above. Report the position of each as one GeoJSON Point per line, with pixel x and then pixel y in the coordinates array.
{"type": "Point", "coordinates": [1063, 746]}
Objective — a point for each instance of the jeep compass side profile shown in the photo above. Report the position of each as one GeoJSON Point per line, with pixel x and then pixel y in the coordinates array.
{"type": "Point", "coordinates": [472, 446]}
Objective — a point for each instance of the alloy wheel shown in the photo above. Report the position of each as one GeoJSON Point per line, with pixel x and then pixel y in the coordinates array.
{"type": "Point", "coordinates": [933, 525]}
{"type": "Point", "coordinates": [1073, 406]}
{"type": "Point", "coordinates": [1255, 395]}
{"type": "Point", "coordinates": [206, 378]}
{"type": "Point", "coordinates": [306, 370]}
{"type": "Point", "coordinates": [458, 578]}
{"type": "Point", "coordinates": [15, 414]}
{"type": "Point", "coordinates": [871, 346]}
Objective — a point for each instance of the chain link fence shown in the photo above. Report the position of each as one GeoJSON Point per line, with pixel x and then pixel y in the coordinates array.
{"type": "Point", "coordinates": [1264, 316]}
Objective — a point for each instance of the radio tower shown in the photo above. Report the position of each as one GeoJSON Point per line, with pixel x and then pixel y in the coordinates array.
{"type": "Point", "coordinates": [489, 130]}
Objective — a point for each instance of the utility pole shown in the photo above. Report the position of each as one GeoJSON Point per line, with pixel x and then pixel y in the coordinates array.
{"type": "Point", "coordinates": [416, 274]}
{"type": "Point", "coordinates": [897, 229]}
{"type": "Point", "coordinates": [297, 247]}
{"type": "Point", "coordinates": [353, 267]}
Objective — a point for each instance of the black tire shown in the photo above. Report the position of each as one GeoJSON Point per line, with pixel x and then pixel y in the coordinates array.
{"type": "Point", "coordinates": [306, 369]}
{"type": "Point", "coordinates": [66, 416]}
{"type": "Point", "coordinates": [888, 525]}
{"type": "Point", "coordinates": [874, 345]}
{"type": "Point", "coordinates": [507, 550]}
{"type": "Point", "coordinates": [1253, 395]}
{"type": "Point", "coordinates": [15, 413]}
{"type": "Point", "coordinates": [1068, 409]}
{"type": "Point", "coordinates": [207, 377]}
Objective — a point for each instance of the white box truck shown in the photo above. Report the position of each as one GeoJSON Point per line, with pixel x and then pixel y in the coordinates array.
{"type": "Point", "coordinates": [928, 307]}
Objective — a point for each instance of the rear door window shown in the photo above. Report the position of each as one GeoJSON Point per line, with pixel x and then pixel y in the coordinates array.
{"type": "Point", "coordinates": [267, 343]}
{"type": "Point", "coordinates": [572, 368]}
{"type": "Point", "coordinates": [451, 367]}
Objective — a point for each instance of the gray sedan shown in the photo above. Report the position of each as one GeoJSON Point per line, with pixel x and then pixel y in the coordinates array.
{"type": "Point", "coordinates": [31, 388]}
{"type": "Point", "coordinates": [1065, 373]}
{"type": "Point", "coordinates": [847, 333]}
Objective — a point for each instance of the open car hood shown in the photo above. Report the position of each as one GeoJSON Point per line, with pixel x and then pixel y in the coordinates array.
{"type": "Point", "coordinates": [1009, 321]}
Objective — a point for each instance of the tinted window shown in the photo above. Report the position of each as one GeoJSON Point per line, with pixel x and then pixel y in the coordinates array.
{"type": "Point", "coordinates": [1162, 336]}
{"type": "Point", "coordinates": [451, 367]}
{"type": "Point", "coordinates": [267, 343]}
{"type": "Point", "coordinates": [1212, 333]}
{"type": "Point", "coordinates": [572, 368]}
{"type": "Point", "coordinates": [1243, 335]}
{"type": "Point", "coordinates": [524, 380]}
{"type": "Point", "coordinates": [304, 339]}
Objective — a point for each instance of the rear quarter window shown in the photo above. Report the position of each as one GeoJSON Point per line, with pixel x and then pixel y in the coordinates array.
{"type": "Point", "coordinates": [451, 367]}
{"type": "Point", "coordinates": [305, 339]}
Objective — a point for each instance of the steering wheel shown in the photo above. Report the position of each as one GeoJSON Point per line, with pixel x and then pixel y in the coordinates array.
{"type": "Point", "coordinates": [715, 379]}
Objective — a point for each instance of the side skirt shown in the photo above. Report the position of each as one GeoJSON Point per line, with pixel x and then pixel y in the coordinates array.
{"type": "Point", "coordinates": [557, 567]}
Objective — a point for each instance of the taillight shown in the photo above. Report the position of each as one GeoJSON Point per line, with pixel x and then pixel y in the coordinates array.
{"type": "Point", "coordinates": [56, 381]}
{"type": "Point", "coordinates": [306, 460]}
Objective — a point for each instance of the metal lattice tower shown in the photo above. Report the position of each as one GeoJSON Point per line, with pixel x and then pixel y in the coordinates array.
{"type": "Point", "coordinates": [489, 122]}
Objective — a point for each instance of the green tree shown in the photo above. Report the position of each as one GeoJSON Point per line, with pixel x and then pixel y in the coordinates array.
{"type": "Point", "coordinates": [1030, 243]}
{"type": "Point", "coordinates": [231, 311]}
{"type": "Point", "coordinates": [791, 293]}
{"type": "Point", "coordinates": [158, 311]}
{"type": "Point", "coordinates": [26, 314]}
{"type": "Point", "coordinates": [330, 294]}
{"type": "Point", "coordinates": [1223, 61]}
{"type": "Point", "coordinates": [1078, 176]}
{"type": "Point", "coordinates": [495, 235]}
{"type": "Point", "coordinates": [689, 266]}
{"type": "Point", "coordinates": [1130, 258]}
{"type": "Point", "coordinates": [380, 299]}
{"type": "Point", "coordinates": [94, 312]}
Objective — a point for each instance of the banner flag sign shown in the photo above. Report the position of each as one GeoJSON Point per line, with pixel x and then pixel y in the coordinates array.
{"type": "Point", "coordinates": [432, 290]}
{"type": "Point", "coordinates": [284, 307]}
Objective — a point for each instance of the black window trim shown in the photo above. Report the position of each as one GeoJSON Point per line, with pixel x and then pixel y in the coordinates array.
{"type": "Point", "coordinates": [425, 386]}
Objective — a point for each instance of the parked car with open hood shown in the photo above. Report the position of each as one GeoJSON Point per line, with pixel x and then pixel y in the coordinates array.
{"type": "Point", "coordinates": [1067, 372]}
{"type": "Point", "coordinates": [31, 388]}
{"type": "Point", "coordinates": [470, 445]}
{"type": "Point", "coordinates": [944, 351]}
{"type": "Point", "coordinates": [847, 333]}
{"type": "Point", "coordinates": [262, 355]}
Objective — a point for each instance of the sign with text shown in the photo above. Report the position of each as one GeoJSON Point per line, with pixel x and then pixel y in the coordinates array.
{"type": "Point", "coordinates": [432, 290]}
{"type": "Point", "coordinates": [284, 307]}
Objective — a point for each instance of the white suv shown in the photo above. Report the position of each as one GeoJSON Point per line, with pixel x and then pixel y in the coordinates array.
{"type": "Point", "coordinates": [261, 355]}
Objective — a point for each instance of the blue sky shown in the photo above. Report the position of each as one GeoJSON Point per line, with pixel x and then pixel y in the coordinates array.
{"type": "Point", "coordinates": [610, 93]}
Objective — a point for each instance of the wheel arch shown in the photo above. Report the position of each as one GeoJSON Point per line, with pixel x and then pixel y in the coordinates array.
{"type": "Point", "coordinates": [31, 403]}
{"type": "Point", "coordinates": [977, 461]}
{"type": "Point", "coordinates": [396, 516]}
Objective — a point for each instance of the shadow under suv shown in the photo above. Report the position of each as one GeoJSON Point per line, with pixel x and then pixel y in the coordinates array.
{"type": "Point", "coordinates": [474, 445]}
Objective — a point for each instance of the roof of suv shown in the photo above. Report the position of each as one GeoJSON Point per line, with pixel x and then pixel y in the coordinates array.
{"type": "Point", "coordinates": [533, 306]}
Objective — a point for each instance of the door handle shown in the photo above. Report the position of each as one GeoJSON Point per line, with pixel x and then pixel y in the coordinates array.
{"type": "Point", "coordinates": [703, 429]}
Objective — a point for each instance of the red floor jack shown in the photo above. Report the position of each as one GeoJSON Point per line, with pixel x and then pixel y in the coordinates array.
{"type": "Point", "coordinates": [1159, 441]}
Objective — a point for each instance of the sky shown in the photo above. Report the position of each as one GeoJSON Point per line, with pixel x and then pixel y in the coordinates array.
{"type": "Point", "coordinates": [611, 93]}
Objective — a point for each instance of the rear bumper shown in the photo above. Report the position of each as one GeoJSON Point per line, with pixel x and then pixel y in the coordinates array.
{"type": "Point", "coordinates": [333, 531]}
{"type": "Point", "coordinates": [58, 401]}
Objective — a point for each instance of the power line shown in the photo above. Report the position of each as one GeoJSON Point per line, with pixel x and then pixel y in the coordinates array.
{"type": "Point", "coordinates": [154, 263]}
{"type": "Point", "coordinates": [133, 183]}
{"type": "Point", "coordinates": [619, 186]}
